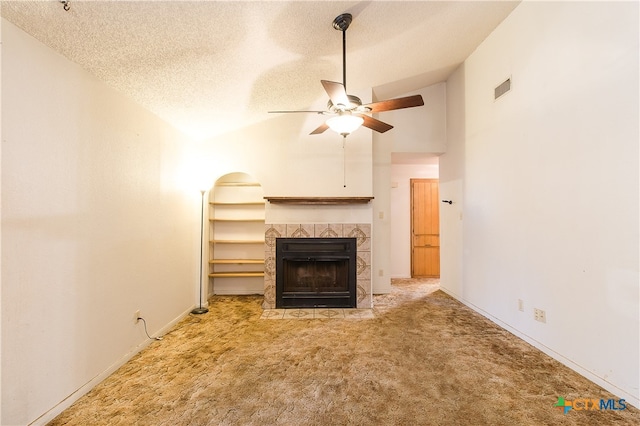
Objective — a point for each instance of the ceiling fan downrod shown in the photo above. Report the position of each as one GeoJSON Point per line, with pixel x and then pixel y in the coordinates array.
{"type": "Point", "coordinates": [341, 23]}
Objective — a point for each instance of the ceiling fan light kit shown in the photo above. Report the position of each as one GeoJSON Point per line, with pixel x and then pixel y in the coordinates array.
{"type": "Point", "coordinates": [348, 111]}
{"type": "Point", "coordinates": [345, 123]}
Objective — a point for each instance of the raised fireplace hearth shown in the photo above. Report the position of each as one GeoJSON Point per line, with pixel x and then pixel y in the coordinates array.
{"type": "Point", "coordinates": [316, 272]}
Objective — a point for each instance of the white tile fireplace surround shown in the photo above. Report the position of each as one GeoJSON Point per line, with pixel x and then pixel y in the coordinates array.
{"type": "Point", "coordinates": [360, 231]}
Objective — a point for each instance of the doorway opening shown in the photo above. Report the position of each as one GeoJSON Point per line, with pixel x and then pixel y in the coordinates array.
{"type": "Point", "coordinates": [404, 168]}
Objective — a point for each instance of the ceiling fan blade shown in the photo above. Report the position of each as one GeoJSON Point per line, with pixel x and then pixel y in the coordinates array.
{"type": "Point", "coordinates": [398, 103]}
{"type": "Point", "coordinates": [374, 124]}
{"type": "Point", "coordinates": [321, 129]}
{"type": "Point", "coordinates": [336, 92]}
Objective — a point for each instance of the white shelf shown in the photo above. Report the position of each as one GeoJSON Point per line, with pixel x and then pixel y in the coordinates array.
{"type": "Point", "coordinates": [236, 235]}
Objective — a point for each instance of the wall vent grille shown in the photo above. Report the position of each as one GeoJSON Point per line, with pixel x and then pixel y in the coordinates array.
{"type": "Point", "coordinates": [503, 88]}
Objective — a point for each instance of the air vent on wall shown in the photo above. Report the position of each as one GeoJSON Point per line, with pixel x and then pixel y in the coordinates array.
{"type": "Point", "coordinates": [503, 88]}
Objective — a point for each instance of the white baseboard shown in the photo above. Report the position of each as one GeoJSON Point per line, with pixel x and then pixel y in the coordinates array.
{"type": "Point", "coordinates": [84, 389]}
{"type": "Point", "coordinates": [621, 393]}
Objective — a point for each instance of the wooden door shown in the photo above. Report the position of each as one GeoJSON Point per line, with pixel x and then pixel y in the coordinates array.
{"type": "Point", "coordinates": [425, 228]}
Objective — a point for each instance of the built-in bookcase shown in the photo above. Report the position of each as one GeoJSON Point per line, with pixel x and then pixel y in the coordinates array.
{"type": "Point", "coordinates": [236, 236]}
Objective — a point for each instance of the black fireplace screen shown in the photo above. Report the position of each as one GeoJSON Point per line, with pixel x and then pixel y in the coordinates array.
{"type": "Point", "coordinates": [316, 275]}
{"type": "Point", "coordinates": [315, 272]}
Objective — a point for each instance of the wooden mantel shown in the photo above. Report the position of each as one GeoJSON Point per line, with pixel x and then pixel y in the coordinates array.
{"type": "Point", "coordinates": [319, 200]}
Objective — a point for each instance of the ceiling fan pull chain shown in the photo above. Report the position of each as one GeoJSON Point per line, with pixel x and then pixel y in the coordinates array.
{"type": "Point", "coordinates": [344, 161]}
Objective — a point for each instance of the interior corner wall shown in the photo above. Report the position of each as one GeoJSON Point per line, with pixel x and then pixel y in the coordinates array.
{"type": "Point", "coordinates": [550, 184]}
{"type": "Point", "coordinates": [94, 228]}
{"type": "Point", "coordinates": [451, 186]}
{"type": "Point", "coordinates": [381, 263]}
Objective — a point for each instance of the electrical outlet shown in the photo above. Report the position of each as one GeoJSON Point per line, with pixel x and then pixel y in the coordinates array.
{"type": "Point", "coordinates": [136, 316]}
{"type": "Point", "coordinates": [520, 305]}
{"type": "Point", "coordinates": [381, 273]}
{"type": "Point", "coordinates": [539, 315]}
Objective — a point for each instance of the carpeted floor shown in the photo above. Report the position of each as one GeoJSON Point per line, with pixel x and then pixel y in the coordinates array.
{"type": "Point", "coordinates": [424, 359]}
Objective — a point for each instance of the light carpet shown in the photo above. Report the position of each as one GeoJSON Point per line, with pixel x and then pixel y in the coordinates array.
{"type": "Point", "coordinates": [424, 359]}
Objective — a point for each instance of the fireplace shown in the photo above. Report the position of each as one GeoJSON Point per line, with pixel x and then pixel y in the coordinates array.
{"type": "Point", "coordinates": [316, 272]}
{"type": "Point", "coordinates": [361, 232]}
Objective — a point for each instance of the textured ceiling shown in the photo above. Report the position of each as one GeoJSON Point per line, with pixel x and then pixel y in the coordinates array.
{"type": "Point", "coordinates": [209, 67]}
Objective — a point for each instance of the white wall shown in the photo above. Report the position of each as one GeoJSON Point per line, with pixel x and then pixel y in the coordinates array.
{"type": "Point", "coordinates": [420, 130]}
{"type": "Point", "coordinates": [381, 229]}
{"type": "Point", "coordinates": [401, 175]}
{"type": "Point", "coordinates": [451, 187]}
{"type": "Point", "coordinates": [94, 227]}
{"type": "Point", "coordinates": [550, 184]}
{"type": "Point", "coordinates": [287, 161]}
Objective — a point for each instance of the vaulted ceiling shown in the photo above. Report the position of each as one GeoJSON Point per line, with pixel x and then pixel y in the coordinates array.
{"type": "Point", "coordinates": [209, 67]}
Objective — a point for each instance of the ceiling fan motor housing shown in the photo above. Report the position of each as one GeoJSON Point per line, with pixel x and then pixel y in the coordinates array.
{"type": "Point", "coordinates": [354, 102]}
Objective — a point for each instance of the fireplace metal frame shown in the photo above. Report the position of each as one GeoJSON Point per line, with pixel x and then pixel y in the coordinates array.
{"type": "Point", "coordinates": [321, 250]}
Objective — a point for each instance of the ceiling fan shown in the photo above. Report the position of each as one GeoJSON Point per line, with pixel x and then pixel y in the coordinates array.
{"type": "Point", "coordinates": [347, 111]}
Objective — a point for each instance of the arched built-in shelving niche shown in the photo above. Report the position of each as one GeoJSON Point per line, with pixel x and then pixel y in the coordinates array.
{"type": "Point", "coordinates": [236, 235]}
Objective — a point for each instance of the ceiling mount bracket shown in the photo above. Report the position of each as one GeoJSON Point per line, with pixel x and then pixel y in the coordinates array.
{"type": "Point", "coordinates": [342, 22]}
